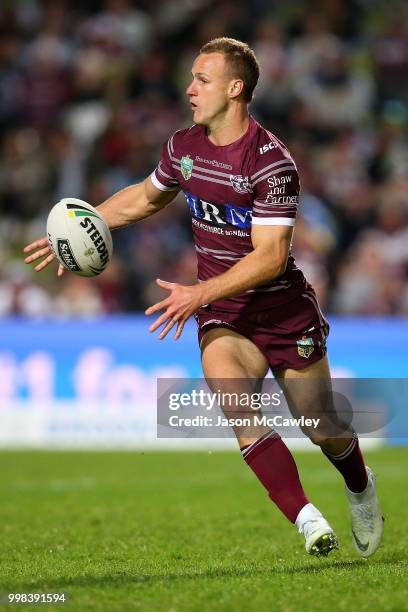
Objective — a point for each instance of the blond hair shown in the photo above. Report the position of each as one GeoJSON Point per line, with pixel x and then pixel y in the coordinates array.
{"type": "Point", "coordinates": [241, 60]}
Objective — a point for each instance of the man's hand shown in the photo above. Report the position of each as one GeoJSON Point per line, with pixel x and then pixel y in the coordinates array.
{"type": "Point", "coordinates": [44, 250]}
{"type": "Point", "coordinates": [183, 301]}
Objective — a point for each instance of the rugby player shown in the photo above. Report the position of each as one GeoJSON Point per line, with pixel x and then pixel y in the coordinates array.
{"type": "Point", "coordinates": [253, 306]}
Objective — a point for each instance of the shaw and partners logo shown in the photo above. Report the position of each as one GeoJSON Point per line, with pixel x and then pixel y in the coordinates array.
{"type": "Point", "coordinates": [219, 214]}
{"type": "Point", "coordinates": [278, 190]}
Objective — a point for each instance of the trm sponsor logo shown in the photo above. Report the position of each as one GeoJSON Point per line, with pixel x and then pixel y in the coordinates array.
{"type": "Point", "coordinates": [219, 214]}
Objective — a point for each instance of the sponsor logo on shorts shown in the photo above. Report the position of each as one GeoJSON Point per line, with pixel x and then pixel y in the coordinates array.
{"type": "Point", "coordinates": [240, 183]}
{"type": "Point", "coordinates": [186, 167]}
{"type": "Point", "coordinates": [305, 347]}
{"type": "Point", "coordinates": [65, 253]}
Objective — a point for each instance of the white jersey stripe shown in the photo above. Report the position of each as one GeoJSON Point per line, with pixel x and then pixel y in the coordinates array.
{"type": "Point", "coordinates": [223, 257]}
{"type": "Point", "coordinates": [275, 207]}
{"type": "Point", "coordinates": [160, 185]}
{"type": "Point", "coordinates": [215, 172]}
{"type": "Point", "coordinates": [209, 179]}
{"type": "Point", "coordinates": [280, 206]}
{"type": "Point", "coordinates": [168, 150]}
{"type": "Point", "coordinates": [173, 180]}
{"type": "Point", "coordinates": [203, 170]}
{"type": "Point", "coordinates": [272, 172]}
{"type": "Point", "coordinates": [171, 144]}
{"type": "Point", "coordinates": [274, 288]}
{"type": "Point", "coordinates": [174, 159]}
{"type": "Point", "coordinates": [268, 211]}
{"type": "Point", "coordinates": [273, 221]}
{"type": "Point", "coordinates": [278, 163]}
{"type": "Point", "coordinates": [222, 252]}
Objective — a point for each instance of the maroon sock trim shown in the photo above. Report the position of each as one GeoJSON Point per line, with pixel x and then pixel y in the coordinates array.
{"type": "Point", "coordinates": [350, 463]}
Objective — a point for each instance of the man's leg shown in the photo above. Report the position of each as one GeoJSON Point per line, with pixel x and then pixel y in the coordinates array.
{"type": "Point", "coordinates": [231, 363]}
{"type": "Point", "coordinates": [309, 394]}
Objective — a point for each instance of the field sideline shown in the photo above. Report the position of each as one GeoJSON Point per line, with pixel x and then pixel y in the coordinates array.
{"type": "Point", "coordinates": [189, 531]}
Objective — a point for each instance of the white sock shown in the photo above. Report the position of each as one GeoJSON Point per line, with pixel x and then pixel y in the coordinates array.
{"type": "Point", "coordinates": [307, 513]}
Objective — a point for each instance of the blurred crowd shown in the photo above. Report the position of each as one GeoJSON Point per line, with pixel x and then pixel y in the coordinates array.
{"type": "Point", "coordinates": [89, 92]}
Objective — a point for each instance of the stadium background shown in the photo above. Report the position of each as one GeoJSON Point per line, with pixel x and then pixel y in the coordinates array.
{"type": "Point", "coordinates": [89, 93]}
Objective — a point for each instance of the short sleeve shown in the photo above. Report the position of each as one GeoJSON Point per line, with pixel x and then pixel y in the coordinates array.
{"type": "Point", "coordinates": [164, 176]}
{"type": "Point", "coordinates": [276, 193]}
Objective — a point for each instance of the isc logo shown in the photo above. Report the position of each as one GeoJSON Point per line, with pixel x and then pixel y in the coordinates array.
{"type": "Point", "coordinates": [267, 147]}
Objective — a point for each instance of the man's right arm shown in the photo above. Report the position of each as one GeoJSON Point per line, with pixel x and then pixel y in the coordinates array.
{"type": "Point", "coordinates": [134, 203]}
{"type": "Point", "coordinates": [125, 207]}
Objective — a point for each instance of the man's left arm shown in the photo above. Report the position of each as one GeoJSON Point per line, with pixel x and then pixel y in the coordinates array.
{"type": "Point", "coordinates": [267, 261]}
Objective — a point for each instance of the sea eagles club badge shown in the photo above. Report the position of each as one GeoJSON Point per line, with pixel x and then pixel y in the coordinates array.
{"type": "Point", "coordinates": [186, 167]}
{"type": "Point", "coordinates": [240, 183]}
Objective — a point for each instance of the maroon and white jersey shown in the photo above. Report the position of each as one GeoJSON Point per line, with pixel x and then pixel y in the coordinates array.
{"type": "Point", "coordinates": [228, 188]}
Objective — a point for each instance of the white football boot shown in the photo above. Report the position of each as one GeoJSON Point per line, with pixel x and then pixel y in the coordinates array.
{"type": "Point", "coordinates": [367, 523]}
{"type": "Point", "coordinates": [320, 538]}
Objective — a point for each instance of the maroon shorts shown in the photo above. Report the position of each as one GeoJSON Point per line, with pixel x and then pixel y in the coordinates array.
{"type": "Point", "coordinates": [292, 335]}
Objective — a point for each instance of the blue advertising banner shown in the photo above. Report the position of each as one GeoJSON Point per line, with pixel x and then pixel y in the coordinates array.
{"type": "Point", "coordinates": [93, 382]}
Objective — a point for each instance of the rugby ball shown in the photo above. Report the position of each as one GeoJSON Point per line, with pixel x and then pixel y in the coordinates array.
{"type": "Point", "coordinates": [79, 237]}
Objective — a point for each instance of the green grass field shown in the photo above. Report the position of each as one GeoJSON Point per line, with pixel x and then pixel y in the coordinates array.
{"type": "Point", "coordinates": [189, 531]}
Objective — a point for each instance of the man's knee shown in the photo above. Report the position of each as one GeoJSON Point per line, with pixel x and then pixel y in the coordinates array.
{"type": "Point", "coordinates": [318, 438]}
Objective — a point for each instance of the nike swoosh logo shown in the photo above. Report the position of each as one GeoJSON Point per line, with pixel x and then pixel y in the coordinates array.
{"type": "Point", "coordinates": [362, 547]}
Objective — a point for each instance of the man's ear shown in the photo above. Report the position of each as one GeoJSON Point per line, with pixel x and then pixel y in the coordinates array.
{"type": "Point", "coordinates": [235, 88]}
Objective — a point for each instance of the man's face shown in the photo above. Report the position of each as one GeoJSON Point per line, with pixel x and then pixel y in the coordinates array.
{"type": "Point", "coordinates": [208, 91]}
